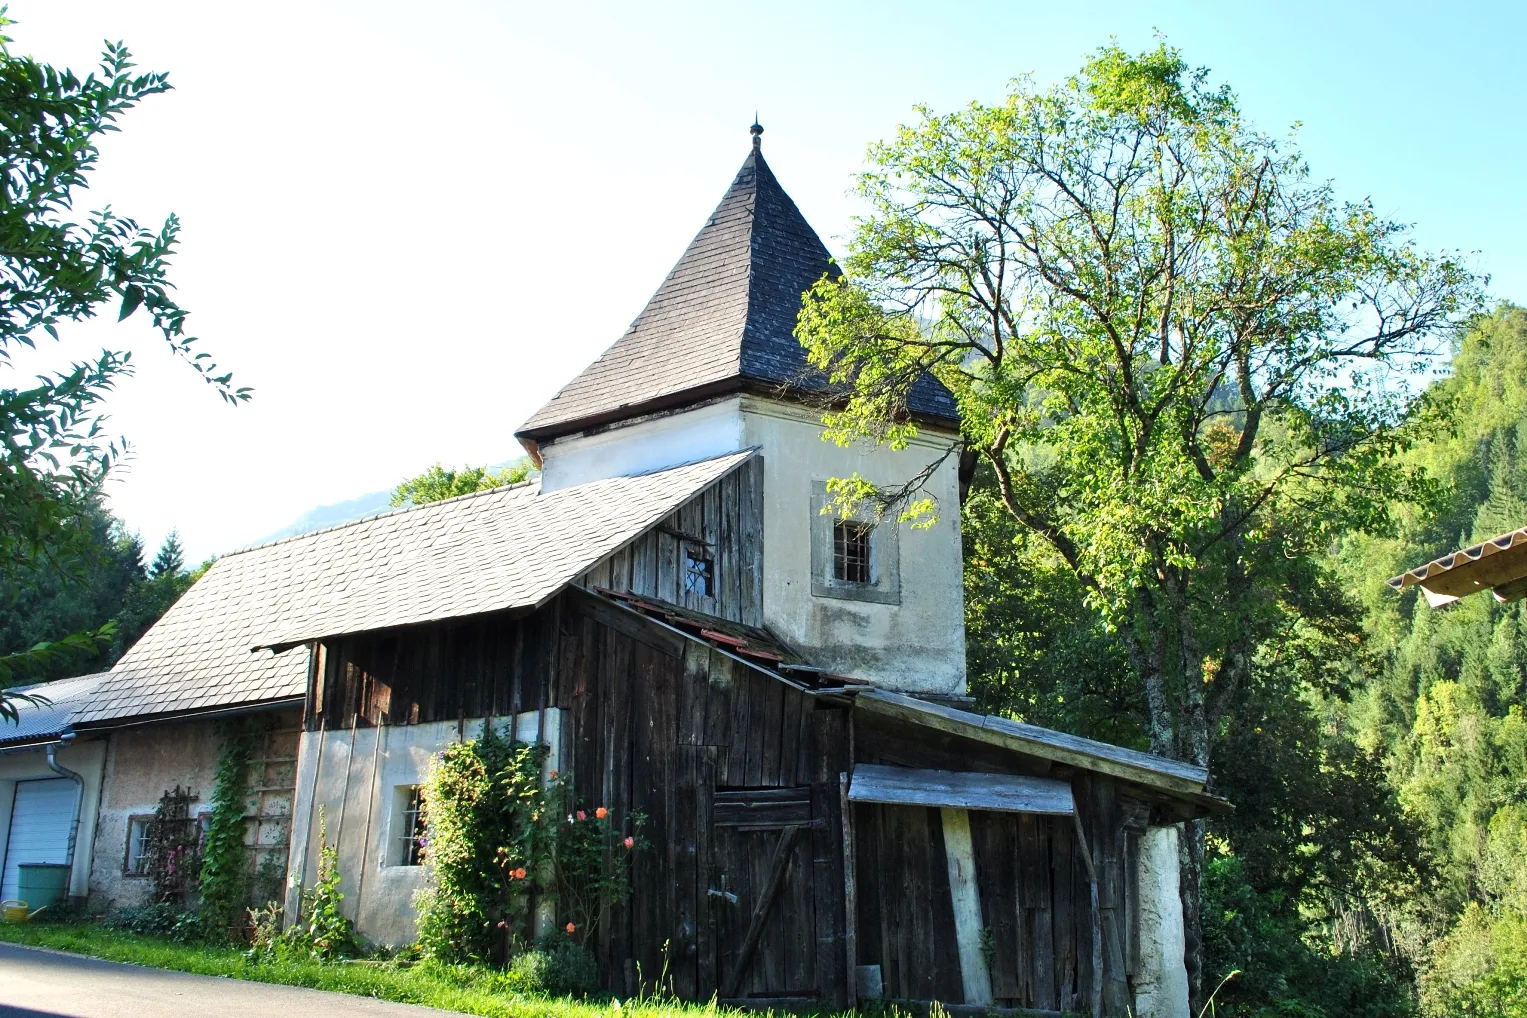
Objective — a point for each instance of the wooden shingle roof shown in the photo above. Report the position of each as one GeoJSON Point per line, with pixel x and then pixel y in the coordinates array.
{"type": "Point", "coordinates": [508, 548]}
{"type": "Point", "coordinates": [722, 321]}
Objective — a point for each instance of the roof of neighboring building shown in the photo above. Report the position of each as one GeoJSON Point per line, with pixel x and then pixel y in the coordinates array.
{"type": "Point", "coordinates": [1498, 565]}
{"type": "Point", "coordinates": [723, 318]}
{"type": "Point", "coordinates": [507, 548]}
{"type": "Point", "coordinates": [50, 715]}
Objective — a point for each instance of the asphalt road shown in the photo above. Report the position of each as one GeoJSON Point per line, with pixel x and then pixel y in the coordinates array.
{"type": "Point", "coordinates": [47, 984]}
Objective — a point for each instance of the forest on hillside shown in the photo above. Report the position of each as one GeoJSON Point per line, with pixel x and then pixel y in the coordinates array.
{"type": "Point", "coordinates": [1376, 864]}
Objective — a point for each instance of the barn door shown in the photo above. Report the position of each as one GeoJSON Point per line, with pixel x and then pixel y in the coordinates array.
{"type": "Point", "coordinates": [761, 896]}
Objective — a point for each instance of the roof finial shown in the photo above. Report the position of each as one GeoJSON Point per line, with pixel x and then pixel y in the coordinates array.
{"type": "Point", "coordinates": [757, 132]}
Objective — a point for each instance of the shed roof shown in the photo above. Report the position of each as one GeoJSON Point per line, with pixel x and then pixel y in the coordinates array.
{"type": "Point", "coordinates": [725, 317]}
{"type": "Point", "coordinates": [51, 715]}
{"type": "Point", "coordinates": [1498, 565]}
{"type": "Point", "coordinates": [507, 548]}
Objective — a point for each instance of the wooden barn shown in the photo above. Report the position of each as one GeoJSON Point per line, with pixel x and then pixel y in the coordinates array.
{"type": "Point", "coordinates": [670, 610]}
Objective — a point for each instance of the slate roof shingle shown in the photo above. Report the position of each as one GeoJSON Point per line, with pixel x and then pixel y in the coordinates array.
{"type": "Point", "coordinates": [507, 548]}
{"type": "Point", "coordinates": [49, 719]}
{"type": "Point", "coordinates": [723, 318]}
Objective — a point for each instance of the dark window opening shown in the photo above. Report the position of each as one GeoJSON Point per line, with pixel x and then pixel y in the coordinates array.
{"type": "Point", "coordinates": [851, 551]}
{"type": "Point", "coordinates": [413, 828]}
{"type": "Point", "coordinates": [699, 572]}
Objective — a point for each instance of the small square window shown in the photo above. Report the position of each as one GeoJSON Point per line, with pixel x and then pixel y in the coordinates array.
{"type": "Point", "coordinates": [851, 551]}
{"type": "Point", "coordinates": [136, 863]}
{"type": "Point", "coordinates": [411, 826]}
{"type": "Point", "coordinates": [699, 571]}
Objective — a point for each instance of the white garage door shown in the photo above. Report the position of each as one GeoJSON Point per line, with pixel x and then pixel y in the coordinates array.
{"type": "Point", "coordinates": [40, 821]}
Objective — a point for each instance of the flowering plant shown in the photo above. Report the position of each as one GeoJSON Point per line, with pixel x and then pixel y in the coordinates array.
{"type": "Point", "coordinates": [594, 865]}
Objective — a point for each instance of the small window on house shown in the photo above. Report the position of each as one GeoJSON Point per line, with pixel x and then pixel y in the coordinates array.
{"type": "Point", "coordinates": [136, 863]}
{"type": "Point", "coordinates": [851, 551]}
{"type": "Point", "coordinates": [699, 571]}
{"type": "Point", "coordinates": [410, 840]}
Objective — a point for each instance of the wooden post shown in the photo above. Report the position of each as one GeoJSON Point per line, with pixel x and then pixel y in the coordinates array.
{"type": "Point", "coordinates": [850, 895]}
{"type": "Point", "coordinates": [960, 856]}
{"type": "Point", "coordinates": [1097, 923]}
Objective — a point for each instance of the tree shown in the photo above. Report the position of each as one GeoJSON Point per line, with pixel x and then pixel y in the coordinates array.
{"type": "Point", "coordinates": [438, 483]}
{"type": "Point", "coordinates": [1181, 357]}
{"type": "Point", "coordinates": [171, 557]}
{"type": "Point", "coordinates": [58, 267]}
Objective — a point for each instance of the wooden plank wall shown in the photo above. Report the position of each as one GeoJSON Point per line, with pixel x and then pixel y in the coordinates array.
{"type": "Point", "coordinates": [727, 519]}
{"type": "Point", "coordinates": [1031, 877]}
{"type": "Point", "coordinates": [488, 666]}
{"type": "Point", "coordinates": [658, 724]}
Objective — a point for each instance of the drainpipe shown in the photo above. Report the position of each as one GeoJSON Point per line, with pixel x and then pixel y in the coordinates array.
{"type": "Point", "coordinates": [79, 795]}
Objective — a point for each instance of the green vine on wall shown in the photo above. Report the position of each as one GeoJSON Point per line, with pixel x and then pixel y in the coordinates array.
{"type": "Point", "coordinates": [224, 863]}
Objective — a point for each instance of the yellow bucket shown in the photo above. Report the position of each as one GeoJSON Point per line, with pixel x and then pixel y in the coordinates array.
{"type": "Point", "coordinates": [15, 911]}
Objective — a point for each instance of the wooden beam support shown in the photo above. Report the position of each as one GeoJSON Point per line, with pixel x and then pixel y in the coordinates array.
{"type": "Point", "coordinates": [960, 857]}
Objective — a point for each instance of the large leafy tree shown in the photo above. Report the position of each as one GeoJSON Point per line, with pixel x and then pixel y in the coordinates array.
{"type": "Point", "coordinates": [438, 483]}
{"type": "Point", "coordinates": [60, 265]}
{"type": "Point", "coordinates": [1179, 354]}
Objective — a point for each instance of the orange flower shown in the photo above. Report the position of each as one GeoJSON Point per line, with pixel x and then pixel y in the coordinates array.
{"type": "Point", "coordinates": [571, 928]}
{"type": "Point", "coordinates": [519, 874]}
{"type": "Point", "coordinates": [553, 774]}
{"type": "Point", "coordinates": [601, 812]}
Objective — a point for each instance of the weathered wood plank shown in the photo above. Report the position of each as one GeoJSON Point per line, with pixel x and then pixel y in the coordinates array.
{"type": "Point", "coordinates": [707, 973]}
{"type": "Point", "coordinates": [965, 900]}
{"type": "Point", "coordinates": [994, 839]}
{"type": "Point", "coordinates": [628, 623]}
{"type": "Point", "coordinates": [1011, 793]}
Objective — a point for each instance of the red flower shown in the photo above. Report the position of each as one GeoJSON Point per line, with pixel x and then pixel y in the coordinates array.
{"type": "Point", "coordinates": [582, 815]}
{"type": "Point", "coordinates": [630, 842]}
{"type": "Point", "coordinates": [601, 812]}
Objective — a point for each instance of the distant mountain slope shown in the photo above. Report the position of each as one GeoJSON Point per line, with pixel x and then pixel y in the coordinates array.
{"type": "Point", "coordinates": [357, 508]}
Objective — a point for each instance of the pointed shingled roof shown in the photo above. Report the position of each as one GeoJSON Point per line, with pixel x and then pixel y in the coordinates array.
{"type": "Point", "coordinates": [723, 321]}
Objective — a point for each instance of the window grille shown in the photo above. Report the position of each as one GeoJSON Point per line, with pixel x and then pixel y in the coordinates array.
{"type": "Point", "coordinates": [699, 572]}
{"type": "Point", "coordinates": [412, 849]}
{"type": "Point", "coordinates": [851, 551]}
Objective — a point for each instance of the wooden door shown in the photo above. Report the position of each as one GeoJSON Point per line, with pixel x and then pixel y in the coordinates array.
{"type": "Point", "coordinates": [761, 896]}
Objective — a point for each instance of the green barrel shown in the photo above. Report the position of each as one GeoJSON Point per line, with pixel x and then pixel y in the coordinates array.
{"type": "Point", "coordinates": [40, 884]}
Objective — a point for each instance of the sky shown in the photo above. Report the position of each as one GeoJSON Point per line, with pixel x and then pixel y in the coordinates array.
{"type": "Point", "coordinates": [407, 225]}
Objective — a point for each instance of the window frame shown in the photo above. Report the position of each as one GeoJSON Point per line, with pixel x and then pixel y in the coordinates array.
{"type": "Point", "coordinates": [693, 553]}
{"type": "Point", "coordinates": [884, 554]}
{"type": "Point", "coordinates": [409, 810]}
{"type": "Point", "coordinates": [127, 855]}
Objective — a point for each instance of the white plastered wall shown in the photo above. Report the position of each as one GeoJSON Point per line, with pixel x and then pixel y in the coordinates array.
{"type": "Point", "coordinates": [1161, 984]}
{"type": "Point", "coordinates": [87, 759]}
{"type": "Point", "coordinates": [353, 777]}
{"type": "Point", "coordinates": [917, 644]}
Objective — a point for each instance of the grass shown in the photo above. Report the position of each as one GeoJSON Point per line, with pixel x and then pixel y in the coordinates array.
{"type": "Point", "coordinates": [467, 989]}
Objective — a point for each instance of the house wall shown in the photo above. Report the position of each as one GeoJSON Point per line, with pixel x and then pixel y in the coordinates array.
{"type": "Point", "coordinates": [915, 641]}
{"type": "Point", "coordinates": [141, 764]}
{"type": "Point", "coordinates": [87, 758]}
{"type": "Point", "coordinates": [352, 792]}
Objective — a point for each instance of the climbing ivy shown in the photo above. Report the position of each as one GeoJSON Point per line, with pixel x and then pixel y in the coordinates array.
{"type": "Point", "coordinates": [224, 862]}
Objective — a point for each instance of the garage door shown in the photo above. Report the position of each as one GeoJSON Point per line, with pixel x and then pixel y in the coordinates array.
{"type": "Point", "coordinates": [40, 821]}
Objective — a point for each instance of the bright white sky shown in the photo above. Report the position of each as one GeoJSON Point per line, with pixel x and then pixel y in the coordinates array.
{"type": "Point", "coordinates": [406, 225]}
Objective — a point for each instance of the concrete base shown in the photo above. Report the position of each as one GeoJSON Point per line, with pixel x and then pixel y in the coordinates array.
{"type": "Point", "coordinates": [1161, 984]}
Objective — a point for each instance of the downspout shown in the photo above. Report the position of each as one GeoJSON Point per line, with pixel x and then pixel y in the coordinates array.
{"type": "Point", "coordinates": [51, 755]}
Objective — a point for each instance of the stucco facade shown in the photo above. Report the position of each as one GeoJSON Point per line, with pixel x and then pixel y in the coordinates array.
{"type": "Point", "coordinates": [354, 784]}
{"type": "Point", "coordinates": [914, 641]}
{"type": "Point", "coordinates": [1161, 984]}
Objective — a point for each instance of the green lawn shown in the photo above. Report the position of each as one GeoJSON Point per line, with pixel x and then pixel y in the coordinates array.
{"type": "Point", "coordinates": [450, 988]}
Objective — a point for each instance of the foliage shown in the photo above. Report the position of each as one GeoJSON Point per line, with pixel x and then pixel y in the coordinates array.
{"type": "Point", "coordinates": [59, 266]}
{"type": "Point", "coordinates": [322, 932]}
{"type": "Point", "coordinates": [559, 966]}
{"type": "Point", "coordinates": [492, 834]}
{"type": "Point", "coordinates": [165, 919]}
{"type": "Point", "coordinates": [1282, 973]}
{"type": "Point", "coordinates": [1179, 354]}
{"type": "Point", "coordinates": [593, 865]}
{"type": "Point", "coordinates": [111, 597]}
{"type": "Point", "coordinates": [174, 849]}
{"type": "Point", "coordinates": [225, 860]}
{"type": "Point", "coordinates": [438, 483]}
